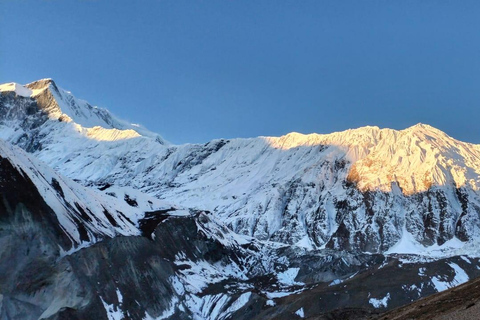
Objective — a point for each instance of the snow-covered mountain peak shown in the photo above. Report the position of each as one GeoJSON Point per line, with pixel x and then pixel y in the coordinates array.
{"type": "Point", "coordinates": [354, 144]}
{"type": "Point", "coordinates": [422, 126]}
{"type": "Point", "coordinates": [41, 85]}
{"type": "Point", "coordinates": [29, 90]}
{"type": "Point", "coordinates": [414, 159]}
{"type": "Point", "coordinates": [60, 105]}
{"type": "Point", "coordinates": [426, 131]}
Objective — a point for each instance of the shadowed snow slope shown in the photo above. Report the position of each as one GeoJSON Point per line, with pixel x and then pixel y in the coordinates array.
{"type": "Point", "coordinates": [84, 215]}
{"type": "Point", "coordinates": [366, 189]}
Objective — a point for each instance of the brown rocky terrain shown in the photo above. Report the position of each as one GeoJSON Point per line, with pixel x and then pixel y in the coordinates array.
{"type": "Point", "coordinates": [459, 303]}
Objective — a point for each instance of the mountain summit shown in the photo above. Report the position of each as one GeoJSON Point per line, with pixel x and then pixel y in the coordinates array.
{"type": "Point", "coordinates": [321, 216]}
{"type": "Point", "coordinates": [61, 105]}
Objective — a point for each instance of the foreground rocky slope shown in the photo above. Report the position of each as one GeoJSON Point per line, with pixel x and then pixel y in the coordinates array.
{"type": "Point", "coordinates": [350, 223]}
{"type": "Point", "coordinates": [71, 253]}
{"type": "Point", "coordinates": [461, 303]}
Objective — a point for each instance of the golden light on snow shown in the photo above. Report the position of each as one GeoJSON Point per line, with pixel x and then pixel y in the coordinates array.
{"type": "Point", "coordinates": [410, 161]}
{"type": "Point", "coordinates": [102, 134]}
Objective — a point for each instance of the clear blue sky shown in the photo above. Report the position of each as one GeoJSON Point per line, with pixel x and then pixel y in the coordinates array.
{"type": "Point", "coordinates": [197, 70]}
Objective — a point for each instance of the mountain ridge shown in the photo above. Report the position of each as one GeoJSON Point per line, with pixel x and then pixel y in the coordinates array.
{"type": "Point", "coordinates": [61, 105]}
{"type": "Point", "coordinates": [267, 227]}
{"type": "Point", "coordinates": [39, 86]}
{"type": "Point", "coordinates": [315, 191]}
{"type": "Point", "coordinates": [343, 138]}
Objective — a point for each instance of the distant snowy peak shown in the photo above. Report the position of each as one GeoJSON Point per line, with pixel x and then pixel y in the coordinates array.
{"type": "Point", "coordinates": [414, 159]}
{"type": "Point", "coordinates": [410, 160]}
{"type": "Point", "coordinates": [364, 137]}
{"type": "Point", "coordinates": [417, 159]}
{"type": "Point", "coordinates": [61, 105]}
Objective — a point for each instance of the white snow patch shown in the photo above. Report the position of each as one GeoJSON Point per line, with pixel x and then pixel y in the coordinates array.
{"type": "Point", "coordinates": [305, 242]}
{"type": "Point", "coordinates": [460, 274]}
{"type": "Point", "coordinates": [237, 304]}
{"type": "Point", "coordinates": [335, 282]}
{"type": "Point", "coordinates": [213, 307]}
{"type": "Point", "coordinates": [288, 276]}
{"type": "Point", "coordinates": [280, 294]}
{"type": "Point", "coordinates": [178, 286]}
{"type": "Point", "coordinates": [460, 277]}
{"type": "Point", "coordinates": [409, 245]}
{"type": "Point", "coordinates": [465, 258]}
{"type": "Point", "coordinates": [439, 284]}
{"type": "Point", "coordinates": [72, 250]}
{"type": "Point", "coordinates": [378, 303]}
{"type": "Point", "coordinates": [119, 296]}
{"type": "Point", "coordinates": [270, 303]}
{"type": "Point", "coordinates": [300, 313]}
{"type": "Point", "coordinates": [113, 312]}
